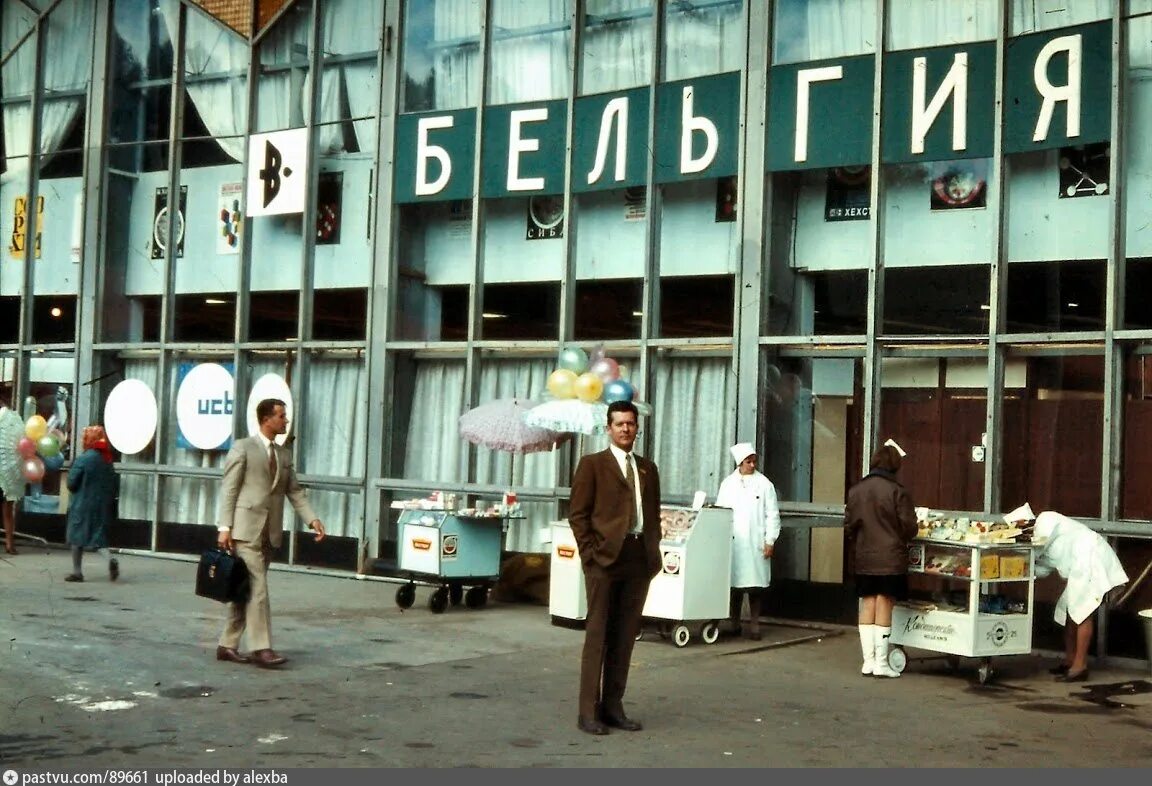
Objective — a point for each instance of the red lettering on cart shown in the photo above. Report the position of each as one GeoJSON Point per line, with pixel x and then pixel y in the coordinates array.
{"type": "Point", "coordinates": [566, 552]}
{"type": "Point", "coordinates": [421, 544]}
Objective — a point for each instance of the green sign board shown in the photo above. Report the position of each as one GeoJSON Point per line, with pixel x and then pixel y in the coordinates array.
{"type": "Point", "coordinates": [435, 155]}
{"type": "Point", "coordinates": [523, 149]}
{"type": "Point", "coordinates": [939, 104]}
{"type": "Point", "coordinates": [610, 141]}
{"type": "Point", "coordinates": [697, 128]}
{"type": "Point", "coordinates": [820, 114]}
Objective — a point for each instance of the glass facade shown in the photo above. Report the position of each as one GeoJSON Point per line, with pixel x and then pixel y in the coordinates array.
{"type": "Point", "coordinates": [486, 182]}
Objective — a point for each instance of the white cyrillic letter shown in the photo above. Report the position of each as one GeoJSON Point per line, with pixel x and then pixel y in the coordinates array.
{"type": "Point", "coordinates": [518, 145]}
{"type": "Point", "coordinates": [424, 151]}
{"type": "Point", "coordinates": [689, 125]}
{"type": "Point", "coordinates": [617, 109]}
{"type": "Point", "coordinates": [956, 84]}
{"type": "Point", "coordinates": [804, 78]}
{"type": "Point", "coordinates": [1069, 92]}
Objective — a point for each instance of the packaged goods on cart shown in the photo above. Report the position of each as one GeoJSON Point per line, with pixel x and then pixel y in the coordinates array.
{"type": "Point", "coordinates": [936, 525]}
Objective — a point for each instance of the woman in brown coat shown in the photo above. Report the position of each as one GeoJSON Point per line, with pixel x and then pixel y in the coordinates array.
{"type": "Point", "coordinates": [879, 521]}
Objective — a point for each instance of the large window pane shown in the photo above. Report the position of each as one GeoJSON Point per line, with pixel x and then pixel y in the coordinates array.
{"type": "Point", "coordinates": [441, 54]}
{"type": "Point", "coordinates": [283, 54]}
{"type": "Point", "coordinates": [693, 400]}
{"type": "Point", "coordinates": [140, 73]}
{"type": "Point", "coordinates": [215, 78]}
{"type": "Point", "coordinates": [1032, 16]}
{"type": "Point", "coordinates": [820, 29]}
{"type": "Point", "coordinates": [1063, 296]}
{"type": "Point", "coordinates": [434, 269]}
{"type": "Point", "coordinates": [913, 24]}
{"type": "Point", "coordinates": [703, 37]}
{"type": "Point", "coordinates": [617, 45]}
{"type": "Point", "coordinates": [529, 51]}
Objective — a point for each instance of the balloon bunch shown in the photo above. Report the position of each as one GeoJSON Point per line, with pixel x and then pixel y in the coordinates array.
{"type": "Point", "coordinates": [590, 377]}
{"type": "Point", "coordinates": [40, 449]}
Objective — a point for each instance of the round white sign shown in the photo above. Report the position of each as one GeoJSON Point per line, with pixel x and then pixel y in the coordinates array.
{"type": "Point", "coordinates": [204, 406]}
{"type": "Point", "coordinates": [130, 416]}
{"type": "Point", "coordinates": [269, 386]}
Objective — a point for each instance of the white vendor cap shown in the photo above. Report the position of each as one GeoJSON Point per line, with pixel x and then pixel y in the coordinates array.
{"type": "Point", "coordinates": [742, 451]}
{"type": "Point", "coordinates": [1022, 513]}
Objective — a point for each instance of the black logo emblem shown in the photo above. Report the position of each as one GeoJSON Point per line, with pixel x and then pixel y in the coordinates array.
{"type": "Point", "coordinates": [270, 174]}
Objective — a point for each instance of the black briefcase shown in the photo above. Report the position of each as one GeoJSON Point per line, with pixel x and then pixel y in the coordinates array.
{"type": "Point", "coordinates": [222, 576]}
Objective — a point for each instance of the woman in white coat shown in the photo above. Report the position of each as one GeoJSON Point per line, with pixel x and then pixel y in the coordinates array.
{"type": "Point", "coordinates": [1091, 569]}
{"type": "Point", "coordinates": [755, 527]}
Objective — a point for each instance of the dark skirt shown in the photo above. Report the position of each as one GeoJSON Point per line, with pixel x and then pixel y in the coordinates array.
{"type": "Point", "coordinates": [893, 585]}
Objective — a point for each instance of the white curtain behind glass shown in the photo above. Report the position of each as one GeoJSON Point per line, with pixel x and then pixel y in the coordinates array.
{"type": "Point", "coordinates": [529, 67]}
{"type": "Point", "coordinates": [331, 434]}
{"type": "Point", "coordinates": [820, 29]}
{"type": "Point", "coordinates": [701, 41]}
{"type": "Point", "coordinates": [282, 52]}
{"type": "Point", "coordinates": [1030, 16]}
{"type": "Point", "coordinates": [434, 445]}
{"type": "Point", "coordinates": [136, 490]}
{"type": "Point", "coordinates": [617, 45]}
{"type": "Point", "coordinates": [456, 59]}
{"type": "Point", "coordinates": [69, 55]}
{"type": "Point", "coordinates": [358, 79]}
{"type": "Point", "coordinates": [215, 72]}
{"type": "Point", "coordinates": [694, 417]}
{"type": "Point", "coordinates": [921, 23]}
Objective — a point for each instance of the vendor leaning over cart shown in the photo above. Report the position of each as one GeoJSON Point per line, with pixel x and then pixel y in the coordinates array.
{"type": "Point", "coordinates": [1092, 571]}
{"type": "Point", "coordinates": [755, 527]}
{"type": "Point", "coordinates": [879, 522]}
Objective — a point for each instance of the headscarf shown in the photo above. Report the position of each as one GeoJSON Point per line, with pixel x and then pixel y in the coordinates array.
{"type": "Point", "coordinates": [95, 438]}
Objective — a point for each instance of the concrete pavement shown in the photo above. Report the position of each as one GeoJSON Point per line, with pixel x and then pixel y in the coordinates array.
{"type": "Point", "coordinates": [100, 674]}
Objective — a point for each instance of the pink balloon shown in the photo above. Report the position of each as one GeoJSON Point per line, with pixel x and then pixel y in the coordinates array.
{"type": "Point", "coordinates": [606, 369]}
{"type": "Point", "coordinates": [596, 354]}
{"type": "Point", "coordinates": [26, 448]}
{"type": "Point", "coordinates": [32, 469]}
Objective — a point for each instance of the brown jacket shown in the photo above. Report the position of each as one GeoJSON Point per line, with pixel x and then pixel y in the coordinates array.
{"type": "Point", "coordinates": [879, 521]}
{"type": "Point", "coordinates": [599, 509]}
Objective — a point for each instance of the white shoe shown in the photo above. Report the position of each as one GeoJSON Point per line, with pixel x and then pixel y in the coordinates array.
{"type": "Point", "coordinates": [868, 648]}
{"type": "Point", "coordinates": [881, 668]}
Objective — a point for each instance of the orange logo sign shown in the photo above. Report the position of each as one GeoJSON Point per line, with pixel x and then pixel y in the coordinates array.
{"type": "Point", "coordinates": [566, 552]}
{"type": "Point", "coordinates": [421, 544]}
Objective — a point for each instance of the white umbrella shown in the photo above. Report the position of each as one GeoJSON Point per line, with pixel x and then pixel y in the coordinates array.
{"type": "Point", "coordinates": [570, 415]}
{"type": "Point", "coordinates": [11, 430]}
{"type": "Point", "coordinates": [500, 425]}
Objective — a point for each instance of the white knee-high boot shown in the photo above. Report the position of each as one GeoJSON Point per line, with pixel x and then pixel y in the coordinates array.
{"type": "Point", "coordinates": [868, 647]}
{"type": "Point", "coordinates": [881, 667]}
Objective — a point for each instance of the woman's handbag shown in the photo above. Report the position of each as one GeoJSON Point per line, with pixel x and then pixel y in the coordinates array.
{"type": "Point", "coordinates": [222, 576]}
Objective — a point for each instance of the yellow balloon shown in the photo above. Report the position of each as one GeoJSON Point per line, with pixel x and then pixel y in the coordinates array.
{"type": "Point", "coordinates": [35, 427]}
{"type": "Point", "coordinates": [589, 387]}
{"type": "Point", "coordinates": [562, 383]}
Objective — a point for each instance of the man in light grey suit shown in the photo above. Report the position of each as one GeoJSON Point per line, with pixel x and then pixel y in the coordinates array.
{"type": "Point", "coordinates": [258, 475]}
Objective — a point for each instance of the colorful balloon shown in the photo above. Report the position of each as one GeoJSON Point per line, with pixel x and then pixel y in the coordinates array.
{"type": "Point", "coordinates": [35, 427]}
{"type": "Point", "coordinates": [606, 369]}
{"type": "Point", "coordinates": [47, 446]}
{"type": "Point", "coordinates": [26, 448]}
{"type": "Point", "coordinates": [32, 469]}
{"type": "Point", "coordinates": [618, 390]}
{"type": "Point", "coordinates": [574, 359]}
{"type": "Point", "coordinates": [588, 387]}
{"type": "Point", "coordinates": [596, 354]}
{"type": "Point", "coordinates": [54, 463]}
{"type": "Point", "coordinates": [562, 383]}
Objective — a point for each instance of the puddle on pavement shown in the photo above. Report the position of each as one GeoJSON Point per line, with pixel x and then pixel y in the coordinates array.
{"type": "Point", "coordinates": [467, 695]}
{"type": "Point", "coordinates": [419, 745]}
{"type": "Point", "coordinates": [1103, 695]}
{"type": "Point", "coordinates": [383, 641]}
{"type": "Point", "coordinates": [188, 692]}
{"type": "Point", "coordinates": [81, 598]}
{"type": "Point", "coordinates": [390, 665]}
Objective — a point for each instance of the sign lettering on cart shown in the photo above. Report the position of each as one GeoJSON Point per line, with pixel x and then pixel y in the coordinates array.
{"type": "Point", "coordinates": [566, 552]}
{"type": "Point", "coordinates": [671, 561]}
{"type": "Point", "coordinates": [421, 544]}
{"type": "Point", "coordinates": [915, 625]}
{"type": "Point", "coordinates": [448, 547]}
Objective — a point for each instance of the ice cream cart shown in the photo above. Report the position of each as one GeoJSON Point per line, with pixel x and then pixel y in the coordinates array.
{"type": "Point", "coordinates": [975, 600]}
{"type": "Point", "coordinates": [458, 552]}
{"type": "Point", "coordinates": [691, 587]}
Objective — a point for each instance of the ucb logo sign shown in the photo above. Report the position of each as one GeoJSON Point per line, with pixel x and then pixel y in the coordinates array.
{"type": "Point", "coordinates": [215, 406]}
{"type": "Point", "coordinates": [205, 401]}
{"type": "Point", "coordinates": [277, 172]}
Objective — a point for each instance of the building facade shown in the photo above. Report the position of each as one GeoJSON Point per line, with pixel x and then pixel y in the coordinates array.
{"type": "Point", "coordinates": [810, 224]}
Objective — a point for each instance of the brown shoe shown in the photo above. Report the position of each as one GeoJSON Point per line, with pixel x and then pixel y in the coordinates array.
{"type": "Point", "coordinates": [231, 654]}
{"type": "Point", "coordinates": [591, 726]}
{"type": "Point", "coordinates": [268, 659]}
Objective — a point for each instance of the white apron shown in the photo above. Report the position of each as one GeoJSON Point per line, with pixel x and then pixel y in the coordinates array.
{"type": "Point", "coordinates": [755, 522]}
{"type": "Point", "coordinates": [1083, 558]}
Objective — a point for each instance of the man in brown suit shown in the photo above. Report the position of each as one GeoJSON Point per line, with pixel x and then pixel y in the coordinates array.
{"type": "Point", "coordinates": [258, 475]}
{"type": "Point", "coordinates": [615, 517]}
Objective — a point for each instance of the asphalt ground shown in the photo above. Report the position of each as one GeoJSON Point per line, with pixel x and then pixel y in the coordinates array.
{"type": "Point", "coordinates": [100, 674]}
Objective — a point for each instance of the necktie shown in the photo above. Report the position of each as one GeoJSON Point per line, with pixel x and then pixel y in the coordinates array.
{"type": "Point", "coordinates": [630, 476]}
{"type": "Point", "coordinates": [272, 462]}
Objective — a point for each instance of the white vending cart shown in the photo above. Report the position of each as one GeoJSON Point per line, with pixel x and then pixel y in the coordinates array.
{"type": "Point", "coordinates": [977, 603]}
{"type": "Point", "coordinates": [691, 587]}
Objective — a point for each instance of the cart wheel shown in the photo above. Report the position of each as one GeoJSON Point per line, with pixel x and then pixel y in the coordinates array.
{"type": "Point", "coordinates": [710, 632]}
{"type": "Point", "coordinates": [984, 674]}
{"type": "Point", "coordinates": [476, 597]}
{"type": "Point", "coordinates": [455, 594]}
{"type": "Point", "coordinates": [406, 596]}
{"type": "Point", "coordinates": [681, 635]}
{"type": "Point", "coordinates": [438, 601]}
{"type": "Point", "coordinates": [897, 659]}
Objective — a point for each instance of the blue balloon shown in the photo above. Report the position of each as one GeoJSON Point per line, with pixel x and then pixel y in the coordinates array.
{"type": "Point", "coordinates": [54, 463]}
{"type": "Point", "coordinates": [618, 390]}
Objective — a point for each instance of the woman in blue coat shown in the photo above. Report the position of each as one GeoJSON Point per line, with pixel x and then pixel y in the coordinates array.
{"type": "Point", "coordinates": [92, 481]}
